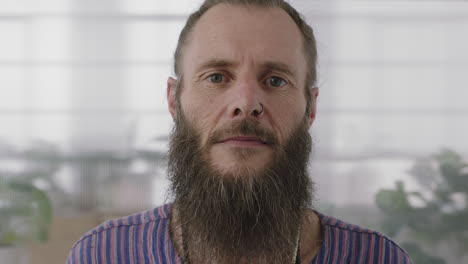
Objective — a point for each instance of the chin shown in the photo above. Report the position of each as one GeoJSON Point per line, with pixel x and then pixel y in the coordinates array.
{"type": "Point", "coordinates": [240, 168]}
{"type": "Point", "coordinates": [238, 161]}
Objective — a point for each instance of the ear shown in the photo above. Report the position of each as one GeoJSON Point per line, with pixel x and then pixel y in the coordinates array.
{"type": "Point", "coordinates": [314, 93]}
{"type": "Point", "coordinates": [171, 96]}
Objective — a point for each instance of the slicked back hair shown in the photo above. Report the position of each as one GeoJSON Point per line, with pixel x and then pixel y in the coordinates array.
{"type": "Point", "coordinates": [309, 43]}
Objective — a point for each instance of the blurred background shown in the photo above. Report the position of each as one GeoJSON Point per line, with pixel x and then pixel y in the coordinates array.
{"type": "Point", "coordinates": [84, 126]}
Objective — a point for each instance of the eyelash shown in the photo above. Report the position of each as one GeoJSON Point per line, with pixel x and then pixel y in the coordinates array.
{"type": "Point", "coordinates": [280, 78]}
{"type": "Point", "coordinates": [223, 77]}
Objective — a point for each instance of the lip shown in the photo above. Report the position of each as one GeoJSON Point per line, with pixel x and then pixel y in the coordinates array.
{"type": "Point", "coordinates": [244, 141]}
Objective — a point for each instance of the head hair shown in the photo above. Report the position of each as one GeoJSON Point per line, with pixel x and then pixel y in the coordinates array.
{"type": "Point", "coordinates": [309, 43]}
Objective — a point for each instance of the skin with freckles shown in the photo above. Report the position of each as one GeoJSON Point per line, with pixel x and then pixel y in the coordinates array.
{"type": "Point", "coordinates": [236, 59]}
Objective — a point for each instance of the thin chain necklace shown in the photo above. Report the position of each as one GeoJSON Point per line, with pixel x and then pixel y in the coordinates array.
{"type": "Point", "coordinates": [295, 260]}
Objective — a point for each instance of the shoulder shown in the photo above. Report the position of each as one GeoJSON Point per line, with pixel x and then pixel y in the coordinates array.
{"type": "Point", "coordinates": [129, 231]}
{"type": "Point", "coordinates": [357, 244]}
{"type": "Point", "coordinates": [135, 220]}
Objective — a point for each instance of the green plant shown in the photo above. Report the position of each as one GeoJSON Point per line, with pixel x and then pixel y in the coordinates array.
{"type": "Point", "coordinates": [434, 214]}
{"type": "Point", "coordinates": [25, 210]}
{"type": "Point", "coordinates": [26, 213]}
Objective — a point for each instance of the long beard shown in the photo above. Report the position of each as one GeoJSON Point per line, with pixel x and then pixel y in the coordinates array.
{"type": "Point", "coordinates": [253, 217]}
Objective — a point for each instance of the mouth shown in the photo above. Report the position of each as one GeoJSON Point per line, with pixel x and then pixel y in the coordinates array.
{"type": "Point", "coordinates": [244, 141]}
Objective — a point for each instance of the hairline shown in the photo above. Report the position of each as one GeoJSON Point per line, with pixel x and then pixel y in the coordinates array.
{"type": "Point", "coordinates": [309, 80]}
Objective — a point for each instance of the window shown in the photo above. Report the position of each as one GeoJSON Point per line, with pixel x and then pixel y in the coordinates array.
{"type": "Point", "coordinates": [89, 77]}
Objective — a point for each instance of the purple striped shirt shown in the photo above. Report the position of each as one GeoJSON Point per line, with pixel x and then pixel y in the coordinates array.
{"type": "Point", "coordinates": [144, 238]}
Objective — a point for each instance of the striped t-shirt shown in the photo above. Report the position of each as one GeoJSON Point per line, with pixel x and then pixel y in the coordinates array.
{"type": "Point", "coordinates": [144, 238]}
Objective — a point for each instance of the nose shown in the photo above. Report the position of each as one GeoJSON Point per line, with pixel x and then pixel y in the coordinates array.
{"type": "Point", "coordinates": [246, 100]}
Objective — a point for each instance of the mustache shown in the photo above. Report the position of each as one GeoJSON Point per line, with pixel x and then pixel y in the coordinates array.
{"type": "Point", "coordinates": [245, 127]}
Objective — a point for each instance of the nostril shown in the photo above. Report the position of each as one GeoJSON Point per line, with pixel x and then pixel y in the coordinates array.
{"type": "Point", "coordinates": [257, 112]}
{"type": "Point", "coordinates": [237, 111]}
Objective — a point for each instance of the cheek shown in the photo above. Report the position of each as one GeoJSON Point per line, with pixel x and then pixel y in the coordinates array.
{"type": "Point", "coordinates": [201, 113]}
{"type": "Point", "coordinates": [287, 114]}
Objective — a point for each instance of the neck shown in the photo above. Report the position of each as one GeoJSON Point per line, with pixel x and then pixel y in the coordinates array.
{"type": "Point", "coordinates": [191, 246]}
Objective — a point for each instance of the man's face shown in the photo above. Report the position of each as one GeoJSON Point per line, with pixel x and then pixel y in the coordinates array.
{"type": "Point", "coordinates": [236, 60]}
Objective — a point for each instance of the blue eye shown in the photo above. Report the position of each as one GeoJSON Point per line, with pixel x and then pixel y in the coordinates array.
{"type": "Point", "coordinates": [276, 81]}
{"type": "Point", "coordinates": [216, 78]}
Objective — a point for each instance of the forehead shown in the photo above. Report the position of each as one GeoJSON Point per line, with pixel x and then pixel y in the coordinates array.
{"type": "Point", "coordinates": [239, 33]}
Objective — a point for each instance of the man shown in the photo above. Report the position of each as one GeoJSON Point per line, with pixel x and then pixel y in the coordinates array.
{"type": "Point", "coordinates": [243, 102]}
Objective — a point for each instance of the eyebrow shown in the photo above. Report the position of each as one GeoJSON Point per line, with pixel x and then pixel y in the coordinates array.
{"type": "Point", "coordinates": [222, 63]}
{"type": "Point", "coordinates": [214, 63]}
{"type": "Point", "coordinates": [278, 66]}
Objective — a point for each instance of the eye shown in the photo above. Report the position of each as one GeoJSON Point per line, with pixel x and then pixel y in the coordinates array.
{"type": "Point", "coordinates": [216, 78]}
{"type": "Point", "coordinates": [275, 81]}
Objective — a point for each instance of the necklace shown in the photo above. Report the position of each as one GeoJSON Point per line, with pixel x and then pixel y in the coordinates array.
{"type": "Point", "coordinates": [295, 260]}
